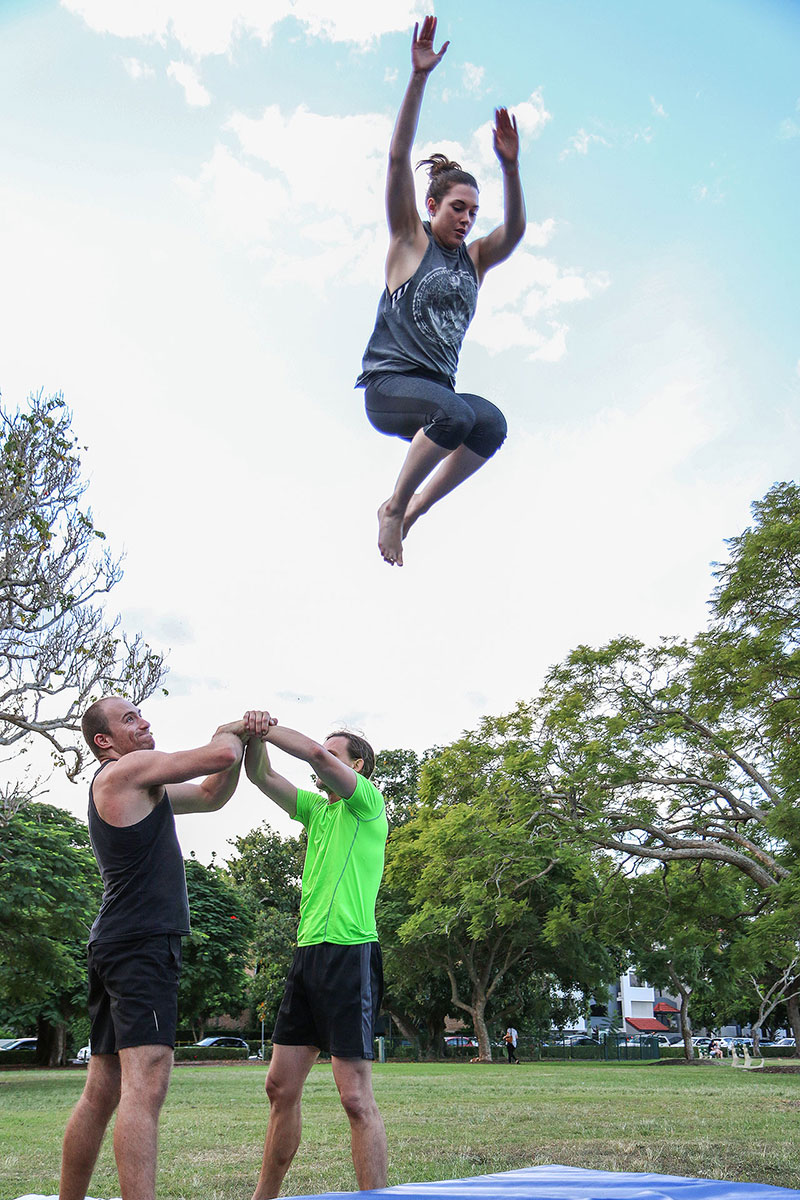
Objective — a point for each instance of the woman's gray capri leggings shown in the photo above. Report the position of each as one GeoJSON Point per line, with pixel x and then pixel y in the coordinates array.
{"type": "Point", "coordinates": [402, 404]}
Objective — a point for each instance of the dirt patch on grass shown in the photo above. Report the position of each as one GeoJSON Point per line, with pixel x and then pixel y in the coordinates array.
{"type": "Point", "coordinates": [768, 1068]}
{"type": "Point", "coordinates": [686, 1062]}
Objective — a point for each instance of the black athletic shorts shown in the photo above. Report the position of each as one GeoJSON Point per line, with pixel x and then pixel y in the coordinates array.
{"type": "Point", "coordinates": [332, 999]}
{"type": "Point", "coordinates": [133, 992]}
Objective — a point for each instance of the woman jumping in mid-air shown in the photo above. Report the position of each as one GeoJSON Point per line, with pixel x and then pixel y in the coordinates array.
{"type": "Point", "coordinates": [432, 281]}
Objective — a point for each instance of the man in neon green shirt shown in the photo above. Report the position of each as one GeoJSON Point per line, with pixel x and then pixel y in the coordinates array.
{"type": "Point", "coordinates": [335, 984]}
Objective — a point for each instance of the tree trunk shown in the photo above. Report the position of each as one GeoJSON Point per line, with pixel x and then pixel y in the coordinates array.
{"type": "Point", "coordinates": [793, 1011]}
{"type": "Point", "coordinates": [433, 1049]}
{"type": "Point", "coordinates": [481, 1032]}
{"type": "Point", "coordinates": [406, 1028]}
{"type": "Point", "coordinates": [686, 1024]}
{"type": "Point", "coordinates": [51, 1048]}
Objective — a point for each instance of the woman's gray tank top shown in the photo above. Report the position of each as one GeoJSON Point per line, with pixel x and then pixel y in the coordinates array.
{"type": "Point", "coordinates": [422, 324]}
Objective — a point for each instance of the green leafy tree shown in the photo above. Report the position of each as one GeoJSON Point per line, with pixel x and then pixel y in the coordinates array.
{"type": "Point", "coordinates": [49, 895]}
{"type": "Point", "coordinates": [417, 993]}
{"type": "Point", "coordinates": [216, 955]}
{"type": "Point", "coordinates": [267, 869]}
{"type": "Point", "coordinates": [485, 886]}
{"type": "Point", "coordinates": [58, 651]}
{"type": "Point", "coordinates": [677, 922]}
{"type": "Point", "coordinates": [396, 775]}
{"type": "Point", "coordinates": [687, 751]}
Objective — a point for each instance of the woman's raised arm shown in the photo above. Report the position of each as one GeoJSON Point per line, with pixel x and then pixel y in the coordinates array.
{"type": "Point", "coordinates": [487, 252]}
{"type": "Point", "coordinates": [401, 206]}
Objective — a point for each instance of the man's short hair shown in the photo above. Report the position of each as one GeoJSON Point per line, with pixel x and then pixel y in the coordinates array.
{"type": "Point", "coordinates": [357, 747]}
{"type": "Point", "coordinates": [94, 721]}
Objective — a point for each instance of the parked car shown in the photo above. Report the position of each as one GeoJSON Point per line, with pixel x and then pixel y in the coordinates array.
{"type": "Point", "coordinates": [224, 1040]}
{"type": "Point", "coordinates": [84, 1054]}
{"type": "Point", "coordinates": [581, 1040]}
{"type": "Point", "coordinates": [18, 1044]}
{"type": "Point", "coordinates": [460, 1039]}
{"type": "Point", "coordinates": [787, 1041]}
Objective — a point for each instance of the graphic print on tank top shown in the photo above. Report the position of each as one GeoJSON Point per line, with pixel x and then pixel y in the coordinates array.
{"type": "Point", "coordinates": [444, 304]}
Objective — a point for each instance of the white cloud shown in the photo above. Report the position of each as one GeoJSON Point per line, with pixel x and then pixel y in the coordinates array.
{"type": "Point", "coordinates": [521, 303]}
{"type": "Point", "coordinates": [657, 108]}
{"type": "Point", "coordinates": [473, 77]}
{"type": "Point", "coordinates": [709, 193]}
{"type": "Point", "coordinates": [539, 234]}
{"type": "Point", "coordinates": [240, 204]}
{"type": "Point", "coordinates": [328, 173]}
{"type": "Point", "coordinates": [186, 75]}
{"type": "Point", "coordinates": [137, 69]}
{"type": "Point", "coordinates": [788, 129]}
{"type": "Point", "coordinates": [204, 29]}
{"type": "Point", "coordinates": [580, 142]}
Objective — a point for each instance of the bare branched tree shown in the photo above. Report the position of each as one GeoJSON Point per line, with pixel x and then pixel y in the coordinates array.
{"type": "Point", "coordinates": [58, 650]}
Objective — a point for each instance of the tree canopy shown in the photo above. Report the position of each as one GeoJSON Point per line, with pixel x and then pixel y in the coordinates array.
{"type": "Point", "coordinates": [49, 895]}
{"type": "Point", "coordinates": [216, 955]}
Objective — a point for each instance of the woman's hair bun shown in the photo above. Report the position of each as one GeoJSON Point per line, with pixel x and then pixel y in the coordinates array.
{"type": "Point", "coordinates": [443, 174]}
{"type": "Point", "coordinates": [437, 164]}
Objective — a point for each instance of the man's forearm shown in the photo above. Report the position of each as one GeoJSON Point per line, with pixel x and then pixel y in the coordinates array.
{"type": "Point", "coordinates": [294, 743]}
{"type": "Point", "coordinates": [219, 788]}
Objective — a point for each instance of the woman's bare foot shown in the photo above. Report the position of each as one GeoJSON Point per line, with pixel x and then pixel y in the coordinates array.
{"type": "Point", "coordinates": [390, 535]}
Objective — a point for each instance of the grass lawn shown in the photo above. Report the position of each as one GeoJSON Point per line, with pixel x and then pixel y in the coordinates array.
{"type": "Point", "coordinates": [444, 1121]}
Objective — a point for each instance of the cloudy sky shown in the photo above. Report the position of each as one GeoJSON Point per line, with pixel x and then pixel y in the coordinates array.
{"type": "Point", "coordinates": [191, 250]}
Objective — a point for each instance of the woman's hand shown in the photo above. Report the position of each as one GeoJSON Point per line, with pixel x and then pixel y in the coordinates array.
{"type": "Point", "coordinates": [423, 56]}
{"type": "Point", "coordinates": [506, 138]}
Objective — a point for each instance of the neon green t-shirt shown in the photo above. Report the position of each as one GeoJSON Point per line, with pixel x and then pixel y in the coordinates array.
{"type": "Point", "coordinates": [343, 867]}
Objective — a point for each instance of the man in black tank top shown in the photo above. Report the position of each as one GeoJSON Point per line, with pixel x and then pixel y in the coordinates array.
{"type": "Point", "coordinates": [134, 945]}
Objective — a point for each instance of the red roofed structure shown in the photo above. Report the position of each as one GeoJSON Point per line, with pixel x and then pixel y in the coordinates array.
{"type": "Point", "coordinates": [647, 1025]}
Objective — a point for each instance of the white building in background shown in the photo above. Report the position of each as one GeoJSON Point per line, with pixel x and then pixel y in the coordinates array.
{"type": "Point", "coordinates": [643, 1010]}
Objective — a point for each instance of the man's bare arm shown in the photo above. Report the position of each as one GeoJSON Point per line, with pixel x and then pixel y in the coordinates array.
{"type": "Point", "coordinates": [259, 771]}
{"type": "Point", "coordinates": [330, 770]}
{"type": "Point", "coordinates": [216, 790]}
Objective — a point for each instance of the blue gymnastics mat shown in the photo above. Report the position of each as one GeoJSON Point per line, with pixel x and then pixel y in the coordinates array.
{"type": "Point", "coordinates": [572, 1183]}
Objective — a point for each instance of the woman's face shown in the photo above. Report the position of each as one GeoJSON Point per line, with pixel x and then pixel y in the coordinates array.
{"type": "Point", "coordinates": [453, 217]}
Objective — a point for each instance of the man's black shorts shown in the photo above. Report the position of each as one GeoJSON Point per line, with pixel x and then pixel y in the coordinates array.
{"type": "Point", "coordinates": [133, 992]}
{"type": "Point", "coordinates": [332, 998]}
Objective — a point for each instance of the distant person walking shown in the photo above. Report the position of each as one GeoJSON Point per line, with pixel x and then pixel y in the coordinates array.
{"type": "Point", "coordinates": [510, 1040]}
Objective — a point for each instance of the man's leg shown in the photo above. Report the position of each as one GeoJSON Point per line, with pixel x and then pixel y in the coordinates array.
{"type": "Point", "coordinates": [287, 1074]}
{"type": "Point", "coordinates": [87, 1125]}
{"type": "Point", "coordinates": [145, 1079]}
{"type": "Point", "coordinates": [367, 1135]}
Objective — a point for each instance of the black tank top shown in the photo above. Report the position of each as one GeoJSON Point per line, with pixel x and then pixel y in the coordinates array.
{"type": "Point", "coordinates": [144, 883]}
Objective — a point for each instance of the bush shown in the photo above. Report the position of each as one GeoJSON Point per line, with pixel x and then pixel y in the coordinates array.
{"type": "Point", "coordinates": [18, 1058]}
{"type": "Point", "coordinates": [206, 1053]}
